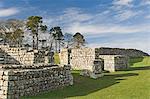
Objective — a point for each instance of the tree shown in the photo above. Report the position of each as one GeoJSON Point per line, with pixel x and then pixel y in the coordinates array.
{"type": "Point", "coordinates": [12, 31]}
{"type": "Point", "coordinates": [57, 36]}
{"type": "Point", "coordinates": [43, 42]}
{"type": "Point", "coordinates": [34, 24]}
{"type": "Point", "coordinates": [68, 39]}
{"type": "Point", "coordinates": [17, 36]}
{"type": "Point", "coordinates": [78, 40]}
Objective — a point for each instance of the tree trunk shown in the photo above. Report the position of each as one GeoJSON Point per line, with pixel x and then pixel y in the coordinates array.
{"type": "Point", "coordinates": [51, 45]}
{"type": "Point", "coordinates": [78, 45]}
{"type": "Point", "coordinates": [33, 42]}
{"type": "Point", "coordinates": [59, 46]}
{"type": "Point", "coordinates": [37, 41]}
{"type": "Point", "coordinates": [56, 45]}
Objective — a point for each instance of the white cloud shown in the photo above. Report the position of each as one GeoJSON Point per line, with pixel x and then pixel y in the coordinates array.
{"type": "Point", "coordinates": [74, 14]}
{"type": "Point", "coordinates": [8, 12]}
{"type": "Point", "coordinates": [122, 2]}
{"type": "Point", "coordinates": [68, 17]}
{"type": "Point", "coordinates": [75, 20]}
{"type": "Point", "coordinates": [134, 43]}
{"type": "Point", "coordinates": [107, 28]}
{"type": "Point", "coordinates": [126, 14]}
{"type": "Point", "coordinates": [145, 2]}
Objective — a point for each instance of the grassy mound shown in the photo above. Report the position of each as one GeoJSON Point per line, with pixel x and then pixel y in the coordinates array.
{"type": "Point", "coordinates": [140, 61]}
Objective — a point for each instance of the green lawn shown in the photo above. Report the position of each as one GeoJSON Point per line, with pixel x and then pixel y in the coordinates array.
{"type": "Point", "coordinates": [133, 83]}
{"type": "Point", "coordinates": [141, 61]}
{"type": "Point", "coordinates": [56, 58]}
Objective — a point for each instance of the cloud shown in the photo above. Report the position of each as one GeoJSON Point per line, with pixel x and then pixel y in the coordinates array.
{"type": "Point", "coordinates": [145, 2]}
{"type": "Point", "coordinates": [69, 16]}
{"type": "Point", "coordinates": [122, 2]}
{"type": "Point", "coordinates": [107, 28]}
{"type": "Point", "coordinates": [147, 17]}
{"type": "Point", "coordinates": [135, 43]}
{"type": "Point", "coordinates": [125, 9]}
{"type": "Point", "coordinates": [75, 14]}
{"type": "Point", "coordinates": [126, 14]}
{"type": "Point", "coordinates": [74, 20]}
{"type": "Point", "coordinates": [8, 12]}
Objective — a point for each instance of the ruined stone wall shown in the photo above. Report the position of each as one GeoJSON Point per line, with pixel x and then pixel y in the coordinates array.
{"type": "Point", "coordinates": [121, 62]}
{"type": "Point", "coordinates": [63, 57]}
{"type": "Point", "coordinates": [84, 58]}
{"type": "Point", "coordinates": [15, 83]}
{"type": "Point", "coordinates": [21, 56]}
{"type": "Point", "coordinates": [80, 58]}
{"type": "Point", "coordinates": [114, 62]}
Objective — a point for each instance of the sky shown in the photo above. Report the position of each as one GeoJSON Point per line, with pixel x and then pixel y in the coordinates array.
{"type": "Point", "coordinates": [104, 23]}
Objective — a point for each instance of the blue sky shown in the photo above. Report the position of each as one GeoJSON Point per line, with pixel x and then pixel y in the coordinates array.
{"type": "Point", "coordinates": [104, 23]}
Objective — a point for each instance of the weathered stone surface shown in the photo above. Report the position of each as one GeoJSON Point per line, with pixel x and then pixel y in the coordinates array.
{"type": "Point", "coordinates": [114, 62]}
{"type": "Point", "coordinates": [23, 82]}
{"type": "Point", "coordinates": [10, 55]}
{"type": "Point", "coordinates": [80, 58]}
{"type": "Point", "coordinates": [84, 58]}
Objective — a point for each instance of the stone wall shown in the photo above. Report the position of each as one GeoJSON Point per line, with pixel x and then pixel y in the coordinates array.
{"type": "Point", "coordinates": [64, 57]}
{"type": "Point", "coordinates": [83, 59]}
{"type": "Point", "coordinates": [121, 51]}
{"type": "Point", "coordinates": [15, 83]}
{"type": "Point", "coordinates": [14, 55]}
{"type": "Point", "coordinates": [114, 62]}
{"type": "Point", "coordinates": [80, 58]}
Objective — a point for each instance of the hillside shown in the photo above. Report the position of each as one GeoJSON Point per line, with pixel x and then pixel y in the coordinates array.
{"type": "Point", "coordinates": [121, 51]}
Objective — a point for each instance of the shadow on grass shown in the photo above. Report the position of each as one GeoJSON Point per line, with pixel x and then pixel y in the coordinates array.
{"type": "Point", "coordinates": [83, 86]}
{"type": "Point", "coordinates": [137, 68]}
{"type": "Point", "coordinates": [135, 60]}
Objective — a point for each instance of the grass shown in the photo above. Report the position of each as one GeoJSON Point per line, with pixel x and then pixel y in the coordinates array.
{"type": "Point", "coordinates": [140, 61]}
{"type": "Point", "coordinates": [133, 83]}
{"type": "Point", "coordinates": [56, 58]}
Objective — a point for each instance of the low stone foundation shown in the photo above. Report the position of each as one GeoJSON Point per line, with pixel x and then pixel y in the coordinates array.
{"type": "Point", "coordinates": [15, 83]}
{"type": "Point", "coordinates": [95, 71]}
{"type": "Point", "coordinates": [114, 62]}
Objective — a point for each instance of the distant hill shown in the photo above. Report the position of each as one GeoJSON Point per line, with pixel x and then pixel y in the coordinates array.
{"type": "Point", "coordinates": [121, 51]}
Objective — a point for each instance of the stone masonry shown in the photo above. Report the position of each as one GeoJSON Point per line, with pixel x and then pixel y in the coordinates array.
{"type": "Point", "coordinates": [83, 59]}
{"type": "Point", "coordinates": [80, 58]}
{"type": "Point", "coordinates": [12, 55]}
{"type": "Point", "coordinates": [24, 73]}
{"type": "Point", "coordinates": [15, 83]}
{"type": "Point", "coordinates": [114, 62]}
